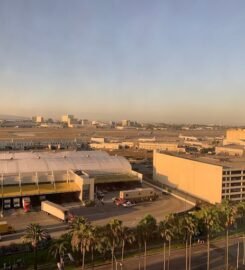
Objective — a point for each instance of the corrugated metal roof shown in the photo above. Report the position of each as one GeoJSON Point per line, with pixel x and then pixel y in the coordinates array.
{"type": "Point", "coordinates": [27, 162]}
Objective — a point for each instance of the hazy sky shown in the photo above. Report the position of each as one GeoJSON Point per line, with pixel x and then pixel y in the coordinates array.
{"type": "Point", "coordinates": [171, 61]}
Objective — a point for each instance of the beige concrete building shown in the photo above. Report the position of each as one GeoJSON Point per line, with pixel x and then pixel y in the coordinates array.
{"type": "Point", "coordinates": [230, 150]}
{"type": "Point", "coordinates": [67, 118]}
{"type": "Point", "coordinates": [235, 136]}
{"type": "Point", "coordinates": [109, 146]}
{"type": "Point", "coordinates": [209, 178]}
{"type": "Point", "coordinates": [38, 119]}
{"type": "Point", "coordinates": [161, 146]}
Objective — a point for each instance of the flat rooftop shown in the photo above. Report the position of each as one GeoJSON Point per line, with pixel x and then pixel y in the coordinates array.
{"type": "Point", "coordinates": [218, 160]}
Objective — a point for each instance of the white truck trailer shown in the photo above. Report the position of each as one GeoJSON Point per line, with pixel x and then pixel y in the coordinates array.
{"type": "Point", "coordinates": [139, 194]}
{"type": "Point", "coordinates": [55, 210]}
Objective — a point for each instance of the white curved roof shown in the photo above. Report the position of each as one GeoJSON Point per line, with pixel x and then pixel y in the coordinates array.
{"type": "Point", "coordinates": [26, 162]}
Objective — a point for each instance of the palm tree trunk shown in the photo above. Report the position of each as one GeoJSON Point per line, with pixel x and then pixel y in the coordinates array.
{"type": "Point", "coordinates": [186, 254]}
{"type": "Point", "coordinates": [164, 257]}
{"type": "Point", "coordinates": [169, 250]}
{"type": "Point", "coordinates": [145, 257]}
{"type": "Point", "coordinates": [123, 245]}
{"type": "Point", "coordinates": [243, 259]}
{"type": "Point", "coordinates": [92, 257]}
{"type": "Point", "coordinates": [35, 258]}
{"type": "Point", "coordinates": [139, 257]}
{"type": "Point", "coordinates": [112, 255]}
{"type": "Point", "coordinates": [237, 255]}
{"type": "Point", "coordinates": [190, 252]}
{"type": "Point", "coordinates": [227, 249]}
{"type": "Point", "coordinates": [83, 258]}
{"type": "Point", "coordinates": [208, 252]}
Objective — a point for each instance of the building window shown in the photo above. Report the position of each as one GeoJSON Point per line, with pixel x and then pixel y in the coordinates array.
{"type": "Point", "coordinates": [236, 172]}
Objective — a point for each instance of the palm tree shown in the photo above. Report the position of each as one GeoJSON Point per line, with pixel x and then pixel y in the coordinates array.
{"type": "Point", "coordinates": [33, 235]}
{"type": "Point", "coordinates": [227, 214]}
{"type": "Point", "coordinates": [146, 227]}
{"type": "Point", "coordinates": [127, 236]}
{"type": "Point", "coordinates": [241, 216]}
{"type": "Point", "coordinates": [80, 239]}
{"type": "Point", "coordinates": [92, 241]}
{"type": "Point", "coordinates": [112, 233]}
{"type": "Point", "coordinates": [60, 246]}
{"type": "Point", "coordinates": [187, 227]}
{"type": "Point", "coordinates": [208, 217]}
{"type": "Point", "coordinates": [76, 223]}
{"type": "Point", "coordinates": [166, 230]}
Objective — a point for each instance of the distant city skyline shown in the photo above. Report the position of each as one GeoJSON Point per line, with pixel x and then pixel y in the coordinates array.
{"type": "Point", "coordinates": [159, 61]}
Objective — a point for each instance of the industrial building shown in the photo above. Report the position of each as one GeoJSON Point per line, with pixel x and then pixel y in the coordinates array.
{"type": "Point", "coordinates": [205, 177]}
{"type": "Point", "coordinates": [235, 136]}
{"type": "Point", "coordinates": [161, 146]}
{"type": "Point", "coordinates": [36, 174]}
{"type": "Point", "coordinates": [25, 144]}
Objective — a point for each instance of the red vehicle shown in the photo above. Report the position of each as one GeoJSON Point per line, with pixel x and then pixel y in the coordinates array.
{"type": "Point", "coordinates": [26, 202]}
{"type": "Point", "coordinates": [119, 201]}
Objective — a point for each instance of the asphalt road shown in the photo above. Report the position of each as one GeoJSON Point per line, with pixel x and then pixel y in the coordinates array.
{"type": "Point", "coordinates": [99, 215]}
{"type": "Point", "coordinates": [177, 261]}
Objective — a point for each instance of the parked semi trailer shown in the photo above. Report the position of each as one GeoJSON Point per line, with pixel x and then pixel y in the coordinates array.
{"type": "Point", "coordinates": [56, 210]}
{"type": "Point", "coordinates": [139, 194]}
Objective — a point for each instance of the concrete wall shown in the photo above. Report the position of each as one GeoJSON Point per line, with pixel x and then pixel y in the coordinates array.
{"type": "Point", "coordinates": [199, 179]}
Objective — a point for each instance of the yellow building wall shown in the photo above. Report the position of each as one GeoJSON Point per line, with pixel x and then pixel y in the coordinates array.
{"type": "Point", "coordinates": [199, 179]}
{"type": "Point", "coordinates": [235, 134]}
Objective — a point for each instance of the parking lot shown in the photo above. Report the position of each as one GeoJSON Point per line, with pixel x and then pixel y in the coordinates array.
{"type": "Point", "coordinates": [101, 214]}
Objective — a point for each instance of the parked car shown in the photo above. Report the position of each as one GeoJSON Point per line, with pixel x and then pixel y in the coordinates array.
{"type": "Point", "coordinates": [128, 204]}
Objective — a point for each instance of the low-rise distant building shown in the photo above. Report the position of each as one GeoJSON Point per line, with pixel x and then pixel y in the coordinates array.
{"type": "Point", "coordinates": [235, 136]}
{"type": "Point", "coordinates": [109, 146]}
{"type": "Point", "coordinates": [172, 147]}
{"type": "Point", "coordinates": [231, 150]}
{"type": "Point", "coordinates": [98, 139]}
{"type": "Point", "coordinates": [38, 119]}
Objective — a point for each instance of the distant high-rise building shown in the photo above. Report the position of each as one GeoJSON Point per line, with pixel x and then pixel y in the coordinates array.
{"type": "Point", "coordinates": [67, 118]}
{"type": "Point", "coordinates": [38, 119]}
{"type": "Point", "coordinates": [126, 123]}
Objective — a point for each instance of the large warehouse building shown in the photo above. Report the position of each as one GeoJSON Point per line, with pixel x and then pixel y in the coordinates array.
{"type": "Point", "coordinates": [208, 178]}
{"type": "Point", "coordinates": [36, 174]}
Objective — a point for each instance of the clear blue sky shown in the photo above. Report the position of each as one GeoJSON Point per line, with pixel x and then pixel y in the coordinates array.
{"type": "Point", "coordinates": [171, 61]}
